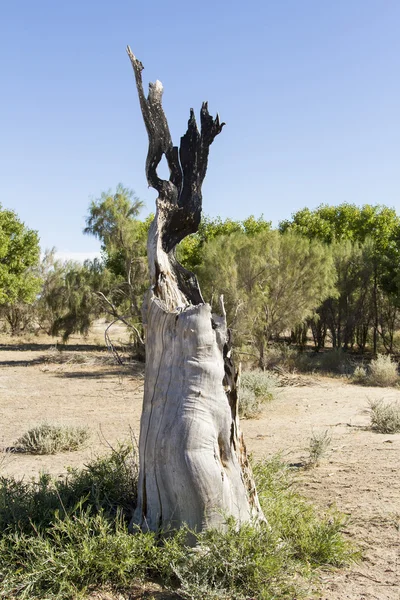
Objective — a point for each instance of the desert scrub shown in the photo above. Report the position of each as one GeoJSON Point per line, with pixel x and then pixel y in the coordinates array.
{"type": "Point", "coordinates": [256, 388]}
{"type": "Point", "coordinates": [318, 447]}
{"type": "Point", "coordinates": [49, 439]}
{"type": "Point", "coordinates": [62, 539]}
{"type": "Point", "coordinates": [385, 416]}
{"type": "Point", "coordinates": [107, 485]}
{"type": "Point", "coordinates": [382, 371]}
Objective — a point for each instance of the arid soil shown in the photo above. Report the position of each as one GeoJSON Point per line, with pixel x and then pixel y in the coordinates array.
{"type": "Point", "coordinates": [360, 473]}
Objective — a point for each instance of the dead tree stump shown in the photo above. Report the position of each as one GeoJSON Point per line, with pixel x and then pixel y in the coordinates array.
{"type": "Point", "coordinates": [193, 463]}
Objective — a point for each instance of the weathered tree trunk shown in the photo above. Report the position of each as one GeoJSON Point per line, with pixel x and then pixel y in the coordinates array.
{"type": "Point", "coordinates": [193, 463]}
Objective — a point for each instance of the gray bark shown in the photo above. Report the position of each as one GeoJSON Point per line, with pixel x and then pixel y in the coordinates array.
{"type": "Point", "coordinates": [193, 462]}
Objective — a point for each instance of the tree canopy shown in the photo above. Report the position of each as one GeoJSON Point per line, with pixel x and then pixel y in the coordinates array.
{"type": "Point", "coordinates": [19, 254]}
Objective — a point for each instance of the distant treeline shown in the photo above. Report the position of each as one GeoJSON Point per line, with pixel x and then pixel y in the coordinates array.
{"type": "Point", "coordinates": [334, 271]}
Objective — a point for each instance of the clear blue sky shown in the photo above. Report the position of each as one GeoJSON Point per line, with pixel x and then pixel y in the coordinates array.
{"type": "Point", "coordinates": [309, 89]}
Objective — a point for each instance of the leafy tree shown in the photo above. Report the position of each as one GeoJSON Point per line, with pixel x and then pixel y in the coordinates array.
{"type": "Point", "coordinates": [113, 220]}
{"type": "Point", "coordinates": [19, 280]}
{"type": "Point", "coordinates": [68, 302]}
{"type": "Point", "coordinates": [190, 249]}
{"type": "Point", "coordinates": [379, 228]}
{"type": "Point", "coordinates": [270, 282]}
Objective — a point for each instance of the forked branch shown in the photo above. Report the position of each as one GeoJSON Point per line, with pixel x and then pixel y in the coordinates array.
{"type": "Point", "coordinates": [180, 197]}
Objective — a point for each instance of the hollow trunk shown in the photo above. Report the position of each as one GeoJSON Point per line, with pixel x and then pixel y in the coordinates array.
{"type": "Point", "coordinates": [193, 463]}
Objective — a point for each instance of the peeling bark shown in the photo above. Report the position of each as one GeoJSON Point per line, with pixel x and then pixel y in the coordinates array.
{"type": "Point", "coordinates": [193, 462]}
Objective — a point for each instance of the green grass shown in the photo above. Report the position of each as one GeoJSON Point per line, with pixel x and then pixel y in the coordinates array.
{"type": "Point", "coordinates": [49, 439]}
{"type": "Point", "coordinates": [61, 539]}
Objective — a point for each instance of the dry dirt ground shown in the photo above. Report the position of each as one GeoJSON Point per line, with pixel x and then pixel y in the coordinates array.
{"type": "Point", "coordinates": [360, 473]}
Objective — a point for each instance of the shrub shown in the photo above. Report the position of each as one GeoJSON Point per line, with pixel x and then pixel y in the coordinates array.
{"type": "Point", "coordinates": [256, 388]}
{"type": "Point", "coordinates": [61, 539]}
{"type": "Point", "coordinates": [318, 447]}
{"type": "Point", "coordinates": [249, 405]}
{"type": "Point", "coordinates": [262, 383]}
{"type": "Point", "coordinates": [333, 361]}
{"type": "Point", "coordinates": [107, 484]}
{"type": "Point", "coordinates": [49, 439]}
{"type": "Point", "coordinates": [385, 416]}
{"type": "Point", "coordinates": [383, 372]}
{"type": "Point", "coordinates": [360, 375]}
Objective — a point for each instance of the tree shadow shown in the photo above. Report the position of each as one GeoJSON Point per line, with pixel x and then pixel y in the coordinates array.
{"type": "Point", "coordinates": [31, 347]}
{"type": "Point", "coordinates": [117, 371]}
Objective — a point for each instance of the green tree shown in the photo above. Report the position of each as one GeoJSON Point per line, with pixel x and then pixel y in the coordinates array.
{"type": "Point", "coordinates": [270, 282]}
{"type": "Point", "coordinates": [19, 279]}
{"type": "Point", "coordinates": [190, 249]}
{"type": "Point", "coordinates": [378, 226]}
{"type": "Point", "coordinates": [68, 302]}
{"type": "Point", "coordinates": [113, 220]}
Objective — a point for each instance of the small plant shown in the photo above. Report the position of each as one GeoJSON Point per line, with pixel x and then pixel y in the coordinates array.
{"type": "Point", "coordinates": [382, 372]}
{"type": "Point", "coordinates": [256, 388]}
{"type": "Point", "coordinates": [360, 375]}
{"type": "Point", "coordinates": [318, 447]}
{"type": "Point", "coordinates": [49, 439]}
{"type": "Point", "coordinates": [385, 416]}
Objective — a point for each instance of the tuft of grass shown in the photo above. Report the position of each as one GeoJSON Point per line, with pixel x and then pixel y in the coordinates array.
{"type": "Point", "coordinates": [49, 439]}
{"type": "Point", "coordinates": [63, 539]}
{"type": "Point", "coordinates": [318, 447]}
{"type": "Point", "coordinates": [385, 416]}
{"type": "Point", "coordinates": [256, 388]}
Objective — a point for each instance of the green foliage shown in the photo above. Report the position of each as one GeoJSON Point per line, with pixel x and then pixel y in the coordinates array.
{"type": "Point", "coordinates": [61, 539]}
{"type": "Point", "coordinates": [113, 220]}
{"type": "Point", "coordinates": [270, 282]}
{"type": "Point", "coordinates": [106, 485]}
{"type": "Point", "coordinates": [68, 302]}
{"type": "Point", "coordinates": [346, 222]}
{"type": "Point", "coordinates": [19, 280]}
{"type": "Point", "coordinates": [366, 247]}
{"type": "Point", "coordinates": [385, 416]}
{"type": "Point", "coordinates": [50, 439]}
{"type": "Point", "coordinates": [190, 250]}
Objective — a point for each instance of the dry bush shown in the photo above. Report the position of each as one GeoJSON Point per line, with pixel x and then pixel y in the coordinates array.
{"type": "Point", "coordinates": [256, 388]}
{"type": "Point", "coordinates": [383, 372]}
{"type": "Point", "coordinates": [49, 439]}
{"type": "Point", "coordinates": [318, 447]}
{"type": "Point", "coordinates": [385, 416]}
{"type": "Point", "coordinates": [249, 405]}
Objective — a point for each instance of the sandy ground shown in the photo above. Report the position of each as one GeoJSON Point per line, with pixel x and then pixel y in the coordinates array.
{"type": "Point", "coordinates": [360, 473]}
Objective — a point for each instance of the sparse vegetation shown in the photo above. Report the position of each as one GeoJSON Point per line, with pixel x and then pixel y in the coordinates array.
{"type": "Point", "coordinates": [49, 439]}
{"type": "Point", "coordinates": [318, 447]}
{"type": "Point", "coordinates": [385, 416]}
{"type": "Point", "coordinates": [256, 388]}
{"type": "Point", "coordinates": [60, 539]}
{"type": "Point", "coordinates": [381, 372]}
